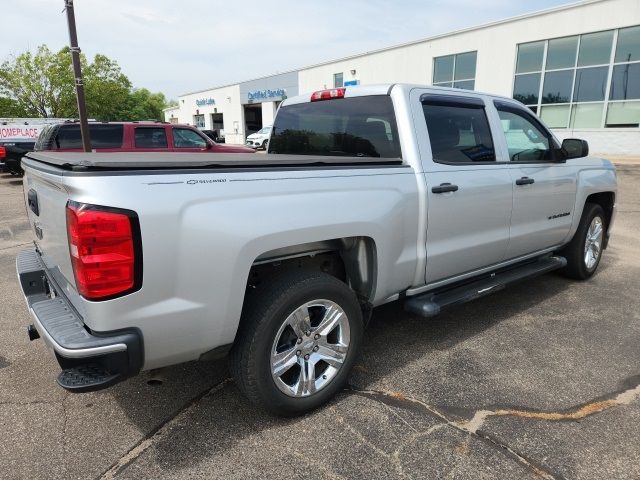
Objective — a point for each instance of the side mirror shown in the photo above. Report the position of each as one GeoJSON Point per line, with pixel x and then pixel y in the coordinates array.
{"type": "Point", "coordinates": [574, 148]}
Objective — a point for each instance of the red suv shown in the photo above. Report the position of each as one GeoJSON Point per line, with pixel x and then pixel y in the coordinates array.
{"type": "Point", "coordinates": [133, 137]}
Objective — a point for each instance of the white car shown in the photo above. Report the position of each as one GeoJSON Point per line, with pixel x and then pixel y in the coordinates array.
{"type": "Point", "coordinates": [259, 139]}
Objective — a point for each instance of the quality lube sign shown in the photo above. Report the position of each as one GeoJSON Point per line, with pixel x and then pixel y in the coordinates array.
{"type": "Point", "coordinates": [20, 133]}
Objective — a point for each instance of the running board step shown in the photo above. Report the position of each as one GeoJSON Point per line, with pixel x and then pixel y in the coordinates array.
{"type": "Point", "coordinates": [430, 304]}
{"type": "Point", "coordinates": [86, 378]}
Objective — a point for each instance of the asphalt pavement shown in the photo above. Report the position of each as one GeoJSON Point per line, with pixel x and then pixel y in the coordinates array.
{"type": "Point", "coordinates": [541, 380]}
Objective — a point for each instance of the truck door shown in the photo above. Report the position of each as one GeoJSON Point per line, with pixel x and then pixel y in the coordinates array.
{"type": "Point", "coordinates": [469, 193]}
{"type": "Point", "coordinates": [544, 190]}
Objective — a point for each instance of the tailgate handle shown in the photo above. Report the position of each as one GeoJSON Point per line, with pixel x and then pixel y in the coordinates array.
{"type": "Point", "coordinates": [32, 200]}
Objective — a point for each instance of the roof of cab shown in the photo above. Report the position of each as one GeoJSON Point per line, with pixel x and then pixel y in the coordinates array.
{"type": "Point", "coordinates": [385, 89]}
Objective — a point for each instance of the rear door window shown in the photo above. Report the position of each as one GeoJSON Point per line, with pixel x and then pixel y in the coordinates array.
{"type": "Point", "coordinates": [150, 137]}
{"type": "Point", "coordinates": [68, 137]}
{"type": "Point", "coordinates": [106, 136]}
{"type": "Point", "coordinates": [357, 126]}
{"type": "Point", "coordinates": [102, 136]}
{"type": "Point", "coordinates": [458, 132]}
{"type": "Point", "coordinates": [187, 138]}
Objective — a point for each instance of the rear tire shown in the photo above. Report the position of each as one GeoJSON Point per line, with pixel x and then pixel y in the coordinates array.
{"type": "Point", "coordinates": [584, 252]}
{"type": "Point", "coordinates": [298, 339]}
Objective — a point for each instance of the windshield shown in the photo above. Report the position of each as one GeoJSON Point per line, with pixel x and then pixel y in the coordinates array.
{"type": "Point", "coordinates": [264, 131]}
{"type": "Point", "coordinates": [357, 126]}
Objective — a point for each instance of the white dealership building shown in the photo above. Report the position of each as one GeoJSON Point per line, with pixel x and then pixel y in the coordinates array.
{"type": "Point", "coordinates": [577, 66]}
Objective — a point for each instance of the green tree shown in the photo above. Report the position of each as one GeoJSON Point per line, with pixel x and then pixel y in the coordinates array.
{"type": "Point", "coordinates": [144, 105]}
{"type": "Point", "coordinates": [106, 88]}
{"type": "Point", "coordinates": [42, 84]}
{"type": "Point", "coordinates": [10, 108]}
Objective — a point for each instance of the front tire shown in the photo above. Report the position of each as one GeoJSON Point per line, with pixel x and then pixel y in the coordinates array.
{"type": "Point", "coordinates": [298, 340]}
{"type": "Point", "coordinates": [584, 252]}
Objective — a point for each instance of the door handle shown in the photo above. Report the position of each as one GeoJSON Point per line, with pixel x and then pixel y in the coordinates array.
{"type": "Point", "coordinates": [525, 181]}
{"type": "Point", "coordinates": [444, 187]}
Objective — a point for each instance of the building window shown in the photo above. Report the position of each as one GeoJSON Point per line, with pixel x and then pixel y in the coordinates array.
{"type": "Point", "coordinates": [530, 57]}
{"type": "Point", "coordinates": [557, 87]}
{"type": "Point", "coordinates": [338, 80]}
{"type": "Point", "coordinates": [527, 88]}
{"type": "Point", "coordinates": [582, 81]}
{"type": "Point", "coordinates": [595, 48]}
{"type": "Point", "coordinates": [623, 114]}
{"type": "Point", "coordinates": [561, 53]}
{"type": "Point", "coordinates": [625, 82]}
{"type": "Point", "coordinates": [198, 121]}
{"type": "Point", "coordinates": [458, 71]}
{"type": "Point", "coordinates": [628, 48]}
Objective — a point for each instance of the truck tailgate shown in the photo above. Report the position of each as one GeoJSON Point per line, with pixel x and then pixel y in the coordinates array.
{"type": "Point", "coordinates": [46, 200]}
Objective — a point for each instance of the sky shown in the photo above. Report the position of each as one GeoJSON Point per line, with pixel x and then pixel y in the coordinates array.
{"type": "Point", "coordinates": [178, 46]}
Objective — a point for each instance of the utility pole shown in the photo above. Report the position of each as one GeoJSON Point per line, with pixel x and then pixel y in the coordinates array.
{"type": "Point", "coordinates": [77, 74]}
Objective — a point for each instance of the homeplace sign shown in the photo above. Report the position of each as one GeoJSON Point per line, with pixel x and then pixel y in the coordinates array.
{"type": "Point", "coordinates": [201, 102]}
{"type": "Point", "coordinates": [266, 93]}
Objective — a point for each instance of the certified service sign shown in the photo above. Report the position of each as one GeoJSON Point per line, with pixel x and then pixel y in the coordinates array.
{"type": "Point", "coordinates": [266, 94]}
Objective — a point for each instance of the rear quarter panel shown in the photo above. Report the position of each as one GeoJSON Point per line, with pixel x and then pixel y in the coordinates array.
{"type": "Point", "coordinates": [201, 232]}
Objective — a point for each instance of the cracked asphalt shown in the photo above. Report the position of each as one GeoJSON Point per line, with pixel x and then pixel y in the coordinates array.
{"type": "Point", "coordinates": [540, 380]}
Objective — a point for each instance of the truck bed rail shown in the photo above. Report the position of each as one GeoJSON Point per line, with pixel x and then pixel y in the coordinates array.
{"type": "Point", "coordinates": [142, 160]}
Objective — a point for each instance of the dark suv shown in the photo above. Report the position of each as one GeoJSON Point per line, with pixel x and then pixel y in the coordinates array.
{"type": "Point", "coordinates": [10, 154]}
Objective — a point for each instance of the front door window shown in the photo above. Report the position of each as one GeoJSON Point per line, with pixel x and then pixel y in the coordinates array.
{"type": "Point", "coordinates": [525, 140]}
{"type": "Point", "coordinates": [187, 138]}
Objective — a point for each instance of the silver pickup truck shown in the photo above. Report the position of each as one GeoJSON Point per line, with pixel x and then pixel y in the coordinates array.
{"type": "Point", "coordinates": [367, 195]}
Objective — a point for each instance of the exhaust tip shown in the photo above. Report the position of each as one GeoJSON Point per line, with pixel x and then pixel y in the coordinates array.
{"type": "Point", "coordinates": [33, 333]}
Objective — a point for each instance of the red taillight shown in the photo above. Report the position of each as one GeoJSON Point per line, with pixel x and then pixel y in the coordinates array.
{"type": "Point", "coordinates": [103, 250]}
{"type": "Point", "coordinates": [3, 152]}
{"type": "Point", "coordinates": [328, 94]}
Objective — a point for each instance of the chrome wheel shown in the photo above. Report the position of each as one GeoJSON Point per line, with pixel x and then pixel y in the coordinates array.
{"type": "Point", "coordinates": [593, 243]}
{"type": "Point", "coordinates": [310, 348]}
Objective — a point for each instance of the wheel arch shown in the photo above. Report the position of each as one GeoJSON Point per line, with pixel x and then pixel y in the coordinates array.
{"type": "Point", "coordinates": [351, 259]}
{"type": "Point", "coordinates": [606, 200]}
{"type": "Point", "coordinates": [594, 186]}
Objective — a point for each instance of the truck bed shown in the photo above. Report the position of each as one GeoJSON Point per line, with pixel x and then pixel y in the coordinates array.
{"type": "Point", "coordinates": [211, 215]}
{"type": "Point", "coordinates": [158, 160]}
